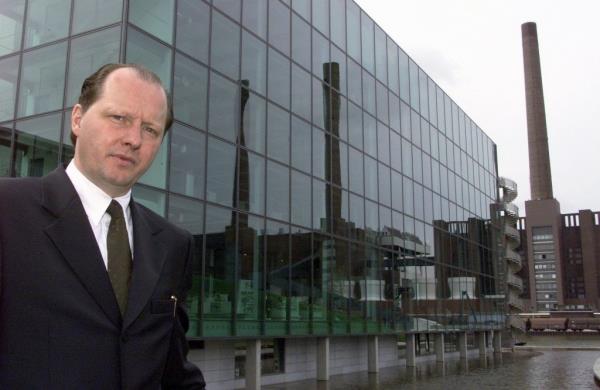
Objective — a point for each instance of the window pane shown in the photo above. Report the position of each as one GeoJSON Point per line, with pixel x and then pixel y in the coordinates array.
{"type": "Point", "coordinates": [354, 82]}
{"type": "Point", "coordinates": [155, 56]}
{"type": "Point", "coordinates": [254, 119]}
{"type": "Point", "coordinates": [252, 183]}
{"type": "Point", "coordinates": [220, 263]}
{"type": "Point", "coordinates": [302, 7]}
{"type": "Point", "coordinates": [356, 167]}
{"type": "Point", "coordinates": [225, 49]}
{"type": "Point", "coordinates": [279, 78]}
{"type": "Point", "coordinates": [382, 102]}
{"type": "Point", "coordinates": [355, 128]}
{"type": "Point", "coordinates": [380, 55]}
{"type": "Point", "coordinates": [220, 172]}
{"type": "Point", "coordinates": [255, 16]}
{"type": "Point", "coordinates": [278, 191]}
{"type": "Point", "coordinates": [189, 95]}
{"type": "Point", "coordinates": [9, 68]}
{"type": "Point", "coordinates": [153, 199]}
{"type": "Point", "coordinates": [392, 58]}
{"type": "Point", "coordinates": [320, 14]}
{"type": "Point", "coordinates": [301, 92]}
{"type": "Point", "coordinates": [11, 26]}
{"type": "Point", "coordinates": [154, 16]}
{"type": "Point", "coordinates": [338, 23]}
{"type": "Point", "coordinates": [300, 41]}
{"type": "Point", "coordinates": [187, 214]}
{"type": "Point", "coordinates": [88, 53]}
{"type": "Point", "coordinates": [353, 29]}
{"type": "Point", "coordinates": [254, 63]}
{"type": "Point", "coordinates": [222, 107]}
{"type": "Point", "coordinates": [5, 148]}
{"type": "Point", "coordinates": [301, 145]}
{"type": "Point", "coordinates": [301, 199]}
{"type": "Point", "coordinates": [368, 41]}
{"type": "Point", "coordinates": [193, 22]}
{"type": "Point", "coordinates": [371, 185]}
{"type": "Point", "coordinates": [320, 50]}
{"type": "Point", "coordinates": [338, 70]}
{"type": "Point", "coordinates": [319, 209]}
{"type": "Point", "coordinates": [370, 134]}
{"type": "Point", "coordinates": [90, 14]}
{"type": "Point", "coordinates": [279, 26]}
{"type": "Point", "coordinates": [368, 97]}
{"type": "Point", "coordinates": [187, 161]}
{"type": "Point", "coordinates": [384, 185]}
{"type": "Point", "coordinates": [47, 21]}
{"type": "Point", "coordinates": [42, 80]}
{"type": "Point", "coordinates": [278, 136]}
{"type": "Point", "coordinates": [36, 151]}
{"type": "Point", "coordinates": [229, 7]}
{"type": "Point", "coordinates": [156, 175]}
{"type": "Point", "coordinates": [383, 143]}
{"type": "Point", "coordinates": [403, 75]}
{"type": "Point", "coordinates": [319, 90]}
{"type": "Point", "coordinates": [319, 153]}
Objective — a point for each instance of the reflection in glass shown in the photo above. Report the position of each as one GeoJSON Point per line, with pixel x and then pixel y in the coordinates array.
{"type": "Point", "coordinates": [319, 153]}
{"type": "Point", "coordinates": [381, 70]}
{"type": "Point", "coordinates": [156, 175]}
{"type": "Point", "coordinates": [187, 214]}
{"type": "Point", "coordinates": [156, 17]}
{"type": "Point", "coordinates": [225, 46]}
{"type": "Point", "coordinates": [248, 286]}
{"type": "Point", "coordinates": [300, 43]}
{"type": "Point", "coordinates": [356, 167]}
{"type": "Point", "coordinates": [255, 16]}
{"type": "Point", "coordinates": [42, 80]}
{"type": "Point", "coordinates": [301, 145]}
{"type": "Point", "coordinates": [222, 107]}
{"type": "Point", "coordinates": [354, 82]}
{"type": "Point", "coordinates": [370, 135]}
{"type": "Point", "coordinates": [276, 277]}
{"type": "Point", "coordinates": [220, 172]}
{"type": "Point", "coordinates": [301, 199]}
{"type": "Point", "coordinates": [254, 122]}
{"type": "Point", "coordinates": [279, 26]}
{"type": "Point", "coordinates": [279, 78]}
{"type": "Point", "coordinates": [254, 63]}
{"type": "Point", "coordinates": [91, 14]}
{"type": "Point", "coordinates": [11, 20]}
{"type": "Point", "coordinates": [88, 53]}
{"type": "Point", "coordinates": [148, 52]}
{"type": "Point", "coordinates": [189, 96]}
{"type": "Point", "coordinates": [252, 183]}
{"type": "Point", "coordinates": [301, 92]}
{"type": "Point", "coordinates": [36, 145]}
{"type": "Point", "coordinates": [46, 21]}
{"type": "Point", "coordinates": [153, 199]}
{"type": "Point", "coordinates": [278, 190]}
{"type": "Point", "coordinates": [371, 178]}
{"type": "Point", "coordinates": [367, 40]}
{"type": "Point", "coordinates": [338, 23]}
{"type": "Point", "coordinates": [278, 133]}
{"type": "Point", "coordinates": [300, 281]}
{"type": "Point", "coordinates": [320, 207]}
{"type": "Point", "coordinates": [187, 161]}
{"type": "Point", "coordinates": [368, 97]}
{"type": "Point", "coordinates": [320, 52]}
{"type": "Point", "coordinates": [192, 22]}
{"type": "Point", "coordinates": [9, 68]}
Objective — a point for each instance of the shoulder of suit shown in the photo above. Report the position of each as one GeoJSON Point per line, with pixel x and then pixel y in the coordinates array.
{"type": "Point", "coordinates": [18, 188]}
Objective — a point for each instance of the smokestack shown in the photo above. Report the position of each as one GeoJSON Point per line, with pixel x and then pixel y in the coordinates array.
{"type": "Point", "coordinates": [540, 176]}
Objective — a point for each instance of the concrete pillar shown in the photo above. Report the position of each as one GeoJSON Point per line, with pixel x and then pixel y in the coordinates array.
{"type": "Point", "coordinates": [411, 358]}
{"type": "Point", "coordinates": [482, 343]}
{"type": "Point", "coordinates": [439, 347]}
{"type": "Point", "coordinates": [489, 337]}
{"type": "Point", "coordinates": [497, 341]}
{"type": "Point", "coordinates": [373, 348]}
{"type": "Point", "coordinates": [323, 358]}
{"type": "Point", "coordinates": [462, 344]}
{"type": "Point", "coordinates": [253, 373]}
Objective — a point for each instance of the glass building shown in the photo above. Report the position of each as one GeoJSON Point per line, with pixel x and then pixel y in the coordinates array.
{"type": "Point", "coordinates": [333, 188]}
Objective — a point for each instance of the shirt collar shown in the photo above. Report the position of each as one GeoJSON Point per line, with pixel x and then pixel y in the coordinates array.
{"type": "Point", "coordinates": [94, 200]}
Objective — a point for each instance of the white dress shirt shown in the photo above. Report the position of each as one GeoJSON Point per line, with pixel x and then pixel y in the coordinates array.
{"type": "Point", "coordinates": [95, 202]}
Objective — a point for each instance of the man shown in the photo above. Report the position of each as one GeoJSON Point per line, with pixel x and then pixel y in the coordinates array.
{"type": "Point", "coordinates": [92, 283]}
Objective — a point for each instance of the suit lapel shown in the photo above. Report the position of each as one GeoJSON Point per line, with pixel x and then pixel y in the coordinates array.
{"type": "Point", "coordinates": [149, 256]}
{"type": "Point", "coordinates": [73, 237]}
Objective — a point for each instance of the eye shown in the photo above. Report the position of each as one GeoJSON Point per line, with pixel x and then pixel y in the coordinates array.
{"type": "Point", "coordinates": [118, 118]}
{"type": "Point", "coordinates": [152, 131]}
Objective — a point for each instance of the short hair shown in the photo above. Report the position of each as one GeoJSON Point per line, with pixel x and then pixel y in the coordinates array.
{"type": "Point", "coordinates": [92, 86]}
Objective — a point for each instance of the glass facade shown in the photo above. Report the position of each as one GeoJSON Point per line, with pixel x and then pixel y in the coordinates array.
{"type": "Point", "coordinates": [331, 186]}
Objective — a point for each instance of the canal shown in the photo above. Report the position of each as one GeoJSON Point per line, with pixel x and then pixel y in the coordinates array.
{"type": "Point", "coordinates": [518, 370]}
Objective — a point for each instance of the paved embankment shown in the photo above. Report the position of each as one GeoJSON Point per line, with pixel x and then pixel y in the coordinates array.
{"type": "Point", "coordinates": [561, 341]}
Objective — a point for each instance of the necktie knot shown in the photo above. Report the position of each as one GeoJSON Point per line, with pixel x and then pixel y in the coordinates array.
{"type": "Point", "coordinates": [115, 210]}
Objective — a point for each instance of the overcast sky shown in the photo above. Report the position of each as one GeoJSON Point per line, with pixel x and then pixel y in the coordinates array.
{"type": "Point", "coordinates": [472, 49]}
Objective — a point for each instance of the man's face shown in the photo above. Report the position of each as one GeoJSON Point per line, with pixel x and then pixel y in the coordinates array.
{"type": "Point", "coordinates": [119, 135]}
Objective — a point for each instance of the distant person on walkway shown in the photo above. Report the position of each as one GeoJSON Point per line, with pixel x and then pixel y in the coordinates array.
{"type": "Point", "coordinates": [528, 325]}
{"type": "Point", "coordinates": [92, 284]}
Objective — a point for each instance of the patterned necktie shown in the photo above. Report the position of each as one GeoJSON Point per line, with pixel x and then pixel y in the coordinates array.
{"type": "Point", "coordinates": [119, 254]}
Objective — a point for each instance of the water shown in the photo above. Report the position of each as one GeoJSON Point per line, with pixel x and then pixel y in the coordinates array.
{"type": "Point", "coordinates": [518, 370]}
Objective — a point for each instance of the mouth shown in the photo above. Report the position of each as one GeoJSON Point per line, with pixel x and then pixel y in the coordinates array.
{"type": "Point", "coordinates": [123, 159]}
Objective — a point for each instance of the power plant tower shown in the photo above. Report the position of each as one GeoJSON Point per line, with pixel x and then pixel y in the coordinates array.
{"type": "Point", "coordinates": [540, 176]}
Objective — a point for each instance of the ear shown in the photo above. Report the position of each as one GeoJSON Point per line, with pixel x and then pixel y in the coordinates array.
{"type": "Point", "coordinates": [76, 115]}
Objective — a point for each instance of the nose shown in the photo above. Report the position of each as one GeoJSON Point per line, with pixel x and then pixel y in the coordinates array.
{"type": "Point", "coordinates": [133, 135]}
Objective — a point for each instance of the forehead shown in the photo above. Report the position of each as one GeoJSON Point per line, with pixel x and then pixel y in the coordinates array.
{"type": "Point", "coordinates": [127, 88]}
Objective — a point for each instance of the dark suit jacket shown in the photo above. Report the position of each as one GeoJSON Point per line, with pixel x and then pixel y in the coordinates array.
{"type": "Point", "coordinates": [60, 325]}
